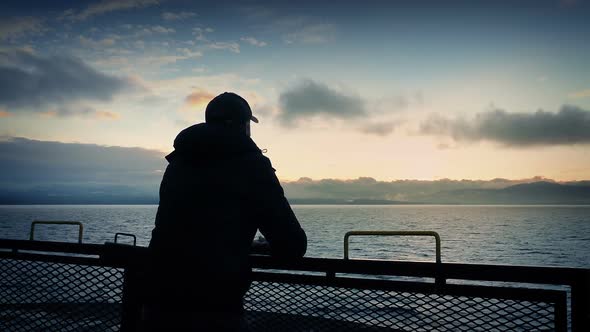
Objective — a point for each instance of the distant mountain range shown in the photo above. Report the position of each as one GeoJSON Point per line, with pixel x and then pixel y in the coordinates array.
{"type": "Point", "coordinates": [528, 193]}
{"type": "Point", "coordinates": [541, 192]}
{"type": "Point", "coordinates": [335, 201]}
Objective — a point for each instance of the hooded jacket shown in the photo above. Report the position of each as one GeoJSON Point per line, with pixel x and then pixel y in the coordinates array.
{"type": "Point", "coordinates": [217, 191]}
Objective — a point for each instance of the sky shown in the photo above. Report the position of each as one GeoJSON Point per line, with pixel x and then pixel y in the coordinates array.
{"type": "Point", "coordinates": [390, 90]}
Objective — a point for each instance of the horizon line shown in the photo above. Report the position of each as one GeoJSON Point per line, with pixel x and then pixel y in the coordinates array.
{"type": "Point", "coordinates": [531, 179]}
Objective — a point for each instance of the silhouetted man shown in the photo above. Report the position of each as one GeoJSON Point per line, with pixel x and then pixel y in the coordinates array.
{"type": "Point", "coordinates": [217, 191]}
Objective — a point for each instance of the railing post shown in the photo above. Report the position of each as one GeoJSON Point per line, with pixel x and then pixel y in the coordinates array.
{"type": "Point", "coordinates": [581, 303]}
{"type": "Point", "coordinates": [131, 308]}
{"type": "Point", "coordinates": [55, 222]}
{"type": "Point", "coordinates": [394, 233]}
{"type": "Point", "coordinates": [560, 312]}
{"type": "Point", "coordinates": [439, 280]}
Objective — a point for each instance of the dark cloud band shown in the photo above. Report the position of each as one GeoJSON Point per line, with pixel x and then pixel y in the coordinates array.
{"type": "Point", "coordinates": [571, 125]}
{"type": "Point", "coordinates": [309, 98]}
{"type": "Point", "coordinates": [25, 162]}
{"type": "Point", "coordinates": [29, 81]}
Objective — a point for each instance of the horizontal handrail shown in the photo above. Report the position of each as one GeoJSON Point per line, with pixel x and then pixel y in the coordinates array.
{"type": "Point", "coordinates": [468, 271]}
{"type": "Point", "coordinates": [52, 246]}
{"type": "Point", "coordinates": [459, 271]}
{"type": "Point", "coordinates": [393, 233]}
{"type": "Point", "coordinates": [38, 222]}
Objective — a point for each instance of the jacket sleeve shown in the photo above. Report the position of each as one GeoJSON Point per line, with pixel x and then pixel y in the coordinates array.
{"type": "Point", "coordinates": [274, 217]}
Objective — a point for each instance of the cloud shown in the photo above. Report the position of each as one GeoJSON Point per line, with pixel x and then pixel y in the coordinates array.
{"type": "Point", "coordinates": [311, 34]}
{"type": "Point", "coordinates": [107, 6]}
{"type": "Point", "coordinates": [168, 16]}
{"type": "Point", "coordinates": [198, 98]}
{"type": "Point", "coordinates": [580, 94]}
{"type": "Point", "coordinates": [378, 128]}
{"type": "Point", "coordinates": [71, 162]}
{"type": "Point", "coordinates": [78, 110]}
{"type": "Point", "coordinates": [230, 46]}
{"type": "Point", "coordinates": [89, 42]}
{"type": "Point", "coordinates": [571, 125]}
{"type": "Point", "coordinates": [188, 53]}
{"type": "Point", "coordinates": [402, 190]}
{"type": "Point", "coordinates": [161, 29]}
{"type": "Point", "coordinates": [15, 27]}
{"type": "Point", "coordinates": [32, 82]}
{"type": "Point", "coordinates": [293, 29]}
{"type": "Point", "coordinates": [309, 98]}
{"type": "Point", "coordinates": [27, 164]}
{"type": "Point", "coordinates": [165, 59]}
{"type": "Point", "coordinates": [253, 41]}
{"type": "Point", "coordinates": [200, 33]}
{"type": "Point", "coordinates": [107, 115]}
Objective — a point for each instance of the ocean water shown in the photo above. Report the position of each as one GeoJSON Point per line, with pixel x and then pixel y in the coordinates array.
{"type": "Point", "coordinates": [515, 235]}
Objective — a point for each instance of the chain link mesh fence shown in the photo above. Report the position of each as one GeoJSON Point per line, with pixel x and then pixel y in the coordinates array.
{"type": "Point", "coordinates": [61, 296]}
{"type": "Point", "coordinates": [49, 296]}
{"type": "Point", "coordinates": [276, 306]}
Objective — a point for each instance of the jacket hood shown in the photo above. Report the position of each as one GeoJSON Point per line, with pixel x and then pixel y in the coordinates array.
{"type": "Point", "coordinates": [207, 141]}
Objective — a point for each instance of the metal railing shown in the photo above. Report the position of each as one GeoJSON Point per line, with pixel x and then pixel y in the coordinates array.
{"type": "Point", "coordinates": [43, 287]}
{"type": "Point", "coordinates": [394, 233]}
{"type": "Point", "coordinates": [53, 222]}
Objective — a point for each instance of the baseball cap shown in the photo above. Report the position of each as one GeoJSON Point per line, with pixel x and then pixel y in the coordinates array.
{"type": "Point", "coordinates": [229, 106]}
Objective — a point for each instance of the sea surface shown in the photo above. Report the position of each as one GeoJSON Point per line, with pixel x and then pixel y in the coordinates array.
{"type": "Point", "coordinates": [514, 235]}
